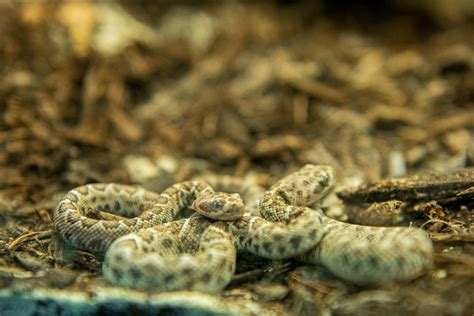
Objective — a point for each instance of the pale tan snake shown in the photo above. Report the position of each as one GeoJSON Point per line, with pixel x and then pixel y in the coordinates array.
{"type": "Point", "coordinates": [199, 253]}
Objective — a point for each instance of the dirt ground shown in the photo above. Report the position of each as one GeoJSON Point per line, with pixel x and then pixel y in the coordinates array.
{"type": "Point", "coordinates": [148, 94]}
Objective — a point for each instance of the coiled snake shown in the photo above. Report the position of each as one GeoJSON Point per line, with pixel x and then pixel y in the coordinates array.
{"type": "Point", "coordinates": [148, 249]}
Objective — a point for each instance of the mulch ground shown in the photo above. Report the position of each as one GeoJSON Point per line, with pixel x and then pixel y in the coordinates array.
{"type": "Point", "coordinates": [155, 94]}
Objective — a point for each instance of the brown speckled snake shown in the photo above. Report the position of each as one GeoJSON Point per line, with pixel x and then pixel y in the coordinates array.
{"type": "Point", "coordinates": [148, 249]}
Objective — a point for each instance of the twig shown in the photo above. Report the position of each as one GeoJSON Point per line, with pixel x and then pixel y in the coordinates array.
{"type": "Point", "coordinates": [28, 236]}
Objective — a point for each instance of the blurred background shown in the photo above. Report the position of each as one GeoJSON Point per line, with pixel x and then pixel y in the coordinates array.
{"type": "Point", "coordinates": [132, 91]}
{"type": "Point", "coordinates": [155, 93]}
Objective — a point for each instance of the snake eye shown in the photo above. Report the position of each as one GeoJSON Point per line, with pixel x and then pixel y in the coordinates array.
{"type": "Point", "coordinates": [217, 204]}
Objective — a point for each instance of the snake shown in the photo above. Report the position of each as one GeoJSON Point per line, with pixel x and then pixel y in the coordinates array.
{"type": "Point", "coordinates": [141, 237]}
{"type": "Point", "coordinates": [363, 255]}
{"type": "Point", "coordinates": [146, 247]}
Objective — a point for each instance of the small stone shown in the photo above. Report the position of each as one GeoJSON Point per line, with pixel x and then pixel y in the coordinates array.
{"type": "Point", "coordinates": [167, 163]}
{"type": "Point", "coordinates": [440, 274]}
{"type": "Point", "coordinates": [416, 154]}
{"type": "Point", "coordinates": [457, 140]}
{"type": "Point", "coordinates": [396, 164]}
{"type": "Point", "coordinates": [140, 168]}
{"type": "Point", "coordinates": [336, 211]}
{"type": "Point", "coordinates": [271, 291]}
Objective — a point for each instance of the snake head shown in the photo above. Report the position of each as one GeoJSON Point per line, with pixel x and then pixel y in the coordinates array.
{"type": "Point", "coordinates": [219, 206]}
{"type": "Point", "coordinates": [307, 185]}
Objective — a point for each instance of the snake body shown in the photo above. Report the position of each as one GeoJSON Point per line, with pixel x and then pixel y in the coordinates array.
{"type": "Point", "coordinates": [192, 253]}
{"type": "Point", "coordinates": [368, 255]}
{"type": "Point", "coordinates": [360, 254]}
{"type": "Point", "coordinates": [78, 216]}
{"type": "Point", "coordinates": [197, 253]}
{"type": "Point", "coordinates": [153, 251]}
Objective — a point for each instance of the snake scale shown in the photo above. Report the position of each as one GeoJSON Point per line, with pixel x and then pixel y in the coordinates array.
{"type": "Point", "coordinates": [148, 248]}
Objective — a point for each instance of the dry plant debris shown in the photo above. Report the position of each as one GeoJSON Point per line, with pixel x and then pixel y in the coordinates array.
{"type": "Point", "coordinates": [146, 93]}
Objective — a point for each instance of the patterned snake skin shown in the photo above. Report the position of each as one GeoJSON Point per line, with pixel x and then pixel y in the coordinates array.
{"type": "Point", "coordinates": [148, 249]}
